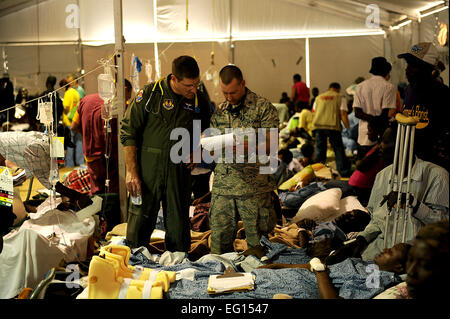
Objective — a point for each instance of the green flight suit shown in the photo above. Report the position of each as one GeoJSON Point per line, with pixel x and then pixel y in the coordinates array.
{"type": "Point", "coordinates": [239, 189]}
{"type": "Point", "coordinates": [147, 124]}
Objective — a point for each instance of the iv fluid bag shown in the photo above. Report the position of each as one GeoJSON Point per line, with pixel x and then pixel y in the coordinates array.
{"type": "Point", "coordinates": [45, 114]}
{"type": "Point", "coordinates": [107, 111]}
{"type": "Point", "coordinates": [106, 87]}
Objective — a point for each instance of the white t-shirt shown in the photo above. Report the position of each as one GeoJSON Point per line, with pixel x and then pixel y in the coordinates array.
{"type": "Point", "coordinates": [372, 96]}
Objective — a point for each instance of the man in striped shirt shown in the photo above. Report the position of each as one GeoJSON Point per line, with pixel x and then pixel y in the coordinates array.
{"type": "Point", "coordinates": [429, 200]}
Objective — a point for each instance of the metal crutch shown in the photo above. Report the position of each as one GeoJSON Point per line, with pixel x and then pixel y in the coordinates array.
{"type": "Point", "coordinates": [409, 123]}
{"type": "Point", "coordinates": [407, 213]}
{"type": "Point", "coordinates": [400, 184]}
{"type": "Point", "coordinates": [391, 183]}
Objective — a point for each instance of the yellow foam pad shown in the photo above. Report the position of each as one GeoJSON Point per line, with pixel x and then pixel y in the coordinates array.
{"type": "Point", "coordinates": [123, 270]}
{"type": "Point", "coordinates": [103, 281]}
{"type": "Point", "coordinates": [304, 174]}
{"type": "Point", "coordinates": [136, 289]}
{"type": "Point", "coordinates": [123, 251]}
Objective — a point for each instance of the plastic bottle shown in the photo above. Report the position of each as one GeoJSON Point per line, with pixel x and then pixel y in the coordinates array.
{"type": "Point", "coordinates": [136, 200]}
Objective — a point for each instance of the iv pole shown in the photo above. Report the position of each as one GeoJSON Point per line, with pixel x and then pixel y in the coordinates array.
{"type": "Point", "coordinates": [119, 47]}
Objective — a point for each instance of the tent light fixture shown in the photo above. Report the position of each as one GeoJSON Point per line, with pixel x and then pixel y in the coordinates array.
{"type": "Point", "coordinates": [318, 34]}
{"type": "Point", "coordinates": [401, 24]}
{"type": "Point", "coordinates": [433, 11]}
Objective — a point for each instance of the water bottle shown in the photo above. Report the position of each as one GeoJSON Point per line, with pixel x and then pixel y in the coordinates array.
{"type": "Point", "coordinates": [136, 200]}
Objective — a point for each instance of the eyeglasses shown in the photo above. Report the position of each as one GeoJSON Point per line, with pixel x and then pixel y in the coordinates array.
{"type": "Point", "coordinates": [190, 85]}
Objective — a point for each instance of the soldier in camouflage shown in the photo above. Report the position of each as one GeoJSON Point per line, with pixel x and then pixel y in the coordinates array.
{"type": "Point", "coordinates": [239, 189]}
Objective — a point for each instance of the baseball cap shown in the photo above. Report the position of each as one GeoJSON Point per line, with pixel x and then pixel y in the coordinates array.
{"type": "Point", "coordinates": [424, 52]}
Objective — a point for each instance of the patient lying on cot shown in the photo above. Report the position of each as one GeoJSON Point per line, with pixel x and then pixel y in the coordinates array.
{"type": "Point", "coordinates": [425, 264]}
{"type": "Point", "coordinates": [320, 239]}
{"type": "Point", "coordinates": [390, 260]}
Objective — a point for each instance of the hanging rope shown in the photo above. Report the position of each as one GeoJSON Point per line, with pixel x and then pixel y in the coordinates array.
{"type": "Point", "coordinates": [101, 61]}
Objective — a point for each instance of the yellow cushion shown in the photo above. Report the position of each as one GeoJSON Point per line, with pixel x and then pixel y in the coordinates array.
{"type": "Point", "coordinates": [302, 177]}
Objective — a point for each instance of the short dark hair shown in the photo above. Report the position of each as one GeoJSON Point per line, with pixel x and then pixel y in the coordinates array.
{"type": "Point", "coordinates": [230, 72]}
{"type": "Point", "coordinates": [335, 85]}
{"type": "Point", "coordinates": [51, 81]}
{"type": "Point", "coordinates": [436, 237]}
{"type": "Point", "coordinates": [307, 150]}
{"type": "Point", "coordinates": [286, 155]}
{"type": "Point", "coordinates": [297, 77]}
{"type": "Point", "coordinates": [185, 67]}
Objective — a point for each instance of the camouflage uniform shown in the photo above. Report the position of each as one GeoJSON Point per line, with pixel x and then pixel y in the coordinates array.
{"type": "Point", "coordinates": [238, 188]}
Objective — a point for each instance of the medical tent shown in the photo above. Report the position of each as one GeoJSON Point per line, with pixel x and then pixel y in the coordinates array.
{"type": "Point", "coordinates": [323, 40]}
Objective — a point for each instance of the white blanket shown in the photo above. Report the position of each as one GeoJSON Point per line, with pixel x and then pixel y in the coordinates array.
{"type": "Point", "coordinates": [28, 253]}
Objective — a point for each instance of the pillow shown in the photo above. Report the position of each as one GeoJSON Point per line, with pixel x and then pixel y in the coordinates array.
{"type": "Point", "coordinates": [304, 177]}
{"type": "Point", "coordinates": [324, 173]}
{"type": "Point", "coordinates": [322, 207]}
{"type": "Point", "coordinates": [350, 203]}
{"type": "Point", "coordinates": [317, 166]}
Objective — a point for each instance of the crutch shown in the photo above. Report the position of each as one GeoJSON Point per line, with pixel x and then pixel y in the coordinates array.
{"type": "Point", "coordinates": [407, 213]}
{"type": "Point", "coordinates": [407, 124]}
{"type": "Point", "coordinates": [391, 182]}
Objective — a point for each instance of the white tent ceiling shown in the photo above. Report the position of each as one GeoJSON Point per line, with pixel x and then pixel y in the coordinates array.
{"type": "Point", "coordinates": [46, 20]}
{"type": "Point", "coordinates": [47, 36]}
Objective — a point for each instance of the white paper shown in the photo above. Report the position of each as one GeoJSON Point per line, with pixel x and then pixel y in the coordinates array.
{"type": "Point", "coordinates": [217, 142]}
{"type": "Point", "coordinates": [229, 283]}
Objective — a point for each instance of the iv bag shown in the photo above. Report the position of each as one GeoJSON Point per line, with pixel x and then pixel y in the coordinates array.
{"type": "Point", "coordinates": [106, 87]}
{"type": "Point", "coordinates": [136, 66]}
{"type": "Point", "coordinates": [107, 111]}
{"type": "Point", "coordinates": [148, 71]}
{"type": "Point", "coordinates": [45, 114]}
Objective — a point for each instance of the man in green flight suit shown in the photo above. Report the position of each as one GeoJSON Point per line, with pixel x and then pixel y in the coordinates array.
{"type": "Point", "coordinates": [240, 189]}
{"type": "Point", "coordinates": [151, 170]}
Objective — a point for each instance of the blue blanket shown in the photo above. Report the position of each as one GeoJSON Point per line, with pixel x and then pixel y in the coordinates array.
{"type": "Point", "coordinates": [354, 278]}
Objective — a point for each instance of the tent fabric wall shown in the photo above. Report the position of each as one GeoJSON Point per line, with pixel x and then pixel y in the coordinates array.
{"type": "Point", "coordinates": [201, 51]}
{"type": "Point", "coordinates": [29, 66]}
{"type": "Point", "coordinates": [268, 65]}
{"type": "Point", "coordinates": [331, 59]}
{"type": "Point", "coordinates": [342, 59]}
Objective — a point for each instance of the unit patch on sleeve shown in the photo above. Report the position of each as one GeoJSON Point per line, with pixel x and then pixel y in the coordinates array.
{"type": "Point", "coordinates": [139, 96]}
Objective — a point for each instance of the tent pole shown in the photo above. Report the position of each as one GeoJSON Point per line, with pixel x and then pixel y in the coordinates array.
{"type": "Point", "coordinates": [231, 33]}
{"type": "Point", "coordinates": [119, 48]}
{"type": "Point", "coordinates": [155, 42]}
{"type": "Point", "coordinates": [307, 51]}
{"type": "Point", "coordinates": [80, 50]}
